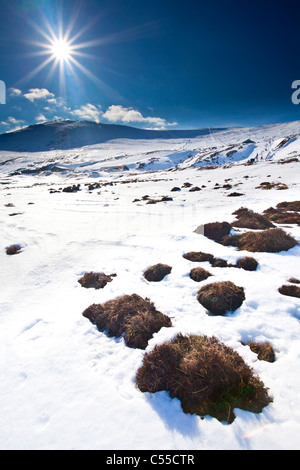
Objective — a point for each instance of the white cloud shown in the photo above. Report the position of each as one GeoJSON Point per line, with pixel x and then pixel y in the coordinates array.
{"type": "Point", "coordinates": [12, 124]}
{"type": "Point", "coordinates": [57, 102]}
{"type": "Point", "coordinates": [40, 118]}
{"type": "Point", "coordinates": [11, 121]}
{"type": "Point", "coordinates": [87, 112]}
{"type": "Point", "coordinates": [117, 113]}
{"type": "Point", "coordinates": [38, 93]}
{"type": "Point", "coordinates": [14, 92]}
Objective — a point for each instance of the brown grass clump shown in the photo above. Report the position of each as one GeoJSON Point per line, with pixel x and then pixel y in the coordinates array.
{"type": "Point", "coordinates": [162, 199]}
{"type": "Point", "coordinates": [248, 263]}
{"type": "Point", "coordinates": [198, 256]}
{"type": "Point", "coordinates": [71, 189]}
{"type": "Point", "coordinates": [131, 316]}
{"type": "Point", "coordinates": [291, 291]}
{"type": "Point", "coordinates": [281, 217]}
{"type": "Point", "coordinates": [95, 280]}
{"type": "Point", "coordinates": [157, 272]}
{"type": "Point", "coordinates": [289, 206]}
{"type": "Point", "coordinates": [264, 351]}
{"type": "Point", "coordinates": [199, 274]}
{"type": "Point", "coordinates": [13, 249]}
{"type": "Point", "coordinates": [217, 230]}
{"type": "Point", "coordinates": [221, 297]}
{"type": "Point", "coordinates": [294, 280]}
{"type": "Point", "coordinates": [268, 185]}
{"type": "Point", "coordinates": [248, 219]}
{"type": "Point", "coordinates": [271, 240]}
{"type": "Point", "coordinates": [219, 263]}
{"type": "Point", "coordinates": [284, 213]}
{"type": "Point", "coordinates": [235, 194]}
{"type": "Point", "coordinates": [207, 376]}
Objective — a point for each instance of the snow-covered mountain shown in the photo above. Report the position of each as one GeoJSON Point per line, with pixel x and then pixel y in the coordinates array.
{"type": "Point", "coordinates": [87, 147]}
{"type": "Point", "coordinates": [64, 135]}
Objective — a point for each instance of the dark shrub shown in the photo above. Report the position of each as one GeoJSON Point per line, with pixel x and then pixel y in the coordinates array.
{"type": "Point", "coordinates": [270, 241]}
{"type": "Point", "coordinates": [207, 376]}
{"type": "Point", "coordinates": [248, 263]}
{"type": "Point", "coordinates": [249, 219]}
{"type": "Point", "coordinates": [157, 272]}
{"type": "Point", "coordinates": [198, 256]}
{"type": "Point", "coordinates": [292, 291]}
{"type": "Point", "coordinates": [13, 249]}
{"type": "Point", "coordinates": [217, 230]}
{"type": "Point", "coordinates": [95, 280]}
{"type": "Point", "coordinates": [131, 316]}
{"type": "Point", "coordinates": [199, 274]}
{"type": "Point", "coordinates": [264, 351]}
{"type": "Point", "coordinates": [220, 297]}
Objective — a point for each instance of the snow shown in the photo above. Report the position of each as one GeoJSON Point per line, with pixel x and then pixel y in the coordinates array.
{"type": "Point", "coordinates": [65, 385]}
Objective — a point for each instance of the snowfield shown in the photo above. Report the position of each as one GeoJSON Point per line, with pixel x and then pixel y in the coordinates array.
{"type": "Point", "coordinates": [66, 385]}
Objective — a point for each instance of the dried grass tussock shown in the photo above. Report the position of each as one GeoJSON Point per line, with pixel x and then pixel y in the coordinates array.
{"type": "Point", "coordinates": [221, 297]}
{"type": "Point", "coordinates": [95, 280]}
{"type": "Point", "coordinates": [270, 241]}
{"type": "Point", "coordinates": [130, 316]}
{"type": "Point", "coordinates": [207, 376]}
{"type": "Point", "coordinates": [157, 272]}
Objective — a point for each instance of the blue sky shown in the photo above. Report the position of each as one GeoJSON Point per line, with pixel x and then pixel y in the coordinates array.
{"type": "Point", "coordinates": [163, 64]}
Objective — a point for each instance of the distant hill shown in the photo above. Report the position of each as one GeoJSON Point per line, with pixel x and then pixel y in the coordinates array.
{"type": "Point", "coordinates": [64, 135]}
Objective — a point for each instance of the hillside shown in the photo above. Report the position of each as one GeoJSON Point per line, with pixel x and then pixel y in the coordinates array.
{"type": "Point", "coordinates": [65, 135]}
{"type": "Point", "coordinates": [88, 148]}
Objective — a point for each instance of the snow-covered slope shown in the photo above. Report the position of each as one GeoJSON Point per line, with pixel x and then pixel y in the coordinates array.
{"type": "Point", "coordinates": [64, 384]}
{"type": "Point", "coordinates": [87, 148]}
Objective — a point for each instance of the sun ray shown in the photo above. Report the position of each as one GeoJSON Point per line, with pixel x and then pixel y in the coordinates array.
{"type": "Point", "coordinates": [64, 45]}
{"type": "Point", "coordinates": [100, 83]}
{"type": "Point", "coordinates": [35, 71]}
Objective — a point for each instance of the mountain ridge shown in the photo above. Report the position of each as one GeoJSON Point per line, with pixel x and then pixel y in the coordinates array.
{"type": "Point", "coordinates": [66, 135]}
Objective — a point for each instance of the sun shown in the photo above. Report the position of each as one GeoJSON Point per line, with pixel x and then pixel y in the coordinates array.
{"type": "Point", "coordinates": [61, 49]}
{"type": "Point", "coordinates": [64, 49]}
